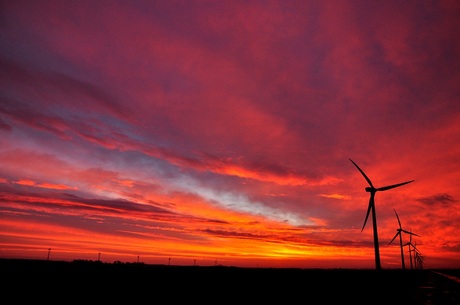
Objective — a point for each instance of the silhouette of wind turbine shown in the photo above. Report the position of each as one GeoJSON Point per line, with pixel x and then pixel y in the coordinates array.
{"type": "Point", "coordinates": [417, 255]}
{"type": "Point", "coordinates": [412, 248]}
{"type": "Point", "coordinates": [398, 232]}
{"type": "Point", "coordinates": [419, 258]}
{"type": "Point", "coordinates": [372, 190]}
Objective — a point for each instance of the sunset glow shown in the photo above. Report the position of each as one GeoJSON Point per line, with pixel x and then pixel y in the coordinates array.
{"type": "Point", "coordinates": [221, 132]}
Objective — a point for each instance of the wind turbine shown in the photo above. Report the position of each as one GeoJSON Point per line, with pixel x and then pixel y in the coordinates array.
{"type": "Point", "coordinates": [399, 232]}
{"type": "Point", "coordinates": [418, 258]}
{"type": "Point", "coordinates": [372, 190]}
{"type": "Point", "coordinates": [412, 248]}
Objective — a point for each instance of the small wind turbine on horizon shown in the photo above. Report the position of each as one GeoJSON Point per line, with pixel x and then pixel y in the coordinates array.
{"type": "Point", "coordinates": [399, 232]}
{"type": "Point", "coordinates": [371, 207]}
{"type": "Point", "coordinates": [416, 253]}
{"type": "Point", "coordinates": [412, 248]}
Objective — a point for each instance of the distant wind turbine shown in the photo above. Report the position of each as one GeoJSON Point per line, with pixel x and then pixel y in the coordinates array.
{"type": "Point", "coordinates": [372, 190]}
{"type": "Point", "coordinates": [418, 258]}
{"type": "Point", "coordinates": [412, 248]}
{"type": "Point", "coordinates": [399, 232]}
{"type": "Point", "coordinates": [416, 253]}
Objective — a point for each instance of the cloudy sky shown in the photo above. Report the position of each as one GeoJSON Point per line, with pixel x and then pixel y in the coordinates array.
{"type": "Point", "coordinates": [221, 132]}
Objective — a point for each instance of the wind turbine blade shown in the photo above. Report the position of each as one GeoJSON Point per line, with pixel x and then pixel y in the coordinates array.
{"type": "Point", "coordinates": [408, 232]}
{"type": "Point", "coordinates": [365, 177]}
{"type": "Point", "coordinates": [394, 237]}
{"type": "Point", "coordinates": [384, 188]}
{"type": "Point", "coordinates": [399, 222]}
{"type": "Point", "coordinates": [367, 214]}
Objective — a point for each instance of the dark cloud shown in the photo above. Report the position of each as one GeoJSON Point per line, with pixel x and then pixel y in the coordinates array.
{"type": "Point", "coordinates": [69, 91]}
{"type": "Point", "coordinates": [438, 199]}
{"type": "Point", "coordinates": [452, 246]}
{"type": "Point", "coordinates": [5, 126]}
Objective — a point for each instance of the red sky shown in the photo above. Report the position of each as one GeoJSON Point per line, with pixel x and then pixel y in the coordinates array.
{"type": "Point", "coordinates": [220, 132]}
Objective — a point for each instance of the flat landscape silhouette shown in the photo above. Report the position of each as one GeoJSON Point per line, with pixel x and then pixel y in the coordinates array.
{"type": "Point", "coordinates": [95, 281]}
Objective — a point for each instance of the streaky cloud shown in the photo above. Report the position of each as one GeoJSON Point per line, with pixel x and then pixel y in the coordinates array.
{"type": "Point", "coordinates": [438, 199]}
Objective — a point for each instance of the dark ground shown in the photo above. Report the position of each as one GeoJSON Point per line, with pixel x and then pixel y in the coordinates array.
{"type": "Point", "coordinates": [95, 282]}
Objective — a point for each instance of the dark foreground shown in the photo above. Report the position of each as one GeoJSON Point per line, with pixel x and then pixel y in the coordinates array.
{"type": "Point", "coordinates": [92, 282]}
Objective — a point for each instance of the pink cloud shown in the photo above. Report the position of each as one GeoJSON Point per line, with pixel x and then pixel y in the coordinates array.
{"type": "Point", "coordinates": [44, 185]}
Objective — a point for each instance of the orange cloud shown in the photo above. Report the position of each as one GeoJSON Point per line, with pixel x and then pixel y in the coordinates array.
{"type": "Point", "coordinates": [336, 196]}
{"type": "Point", "coordinates": [45, 185]}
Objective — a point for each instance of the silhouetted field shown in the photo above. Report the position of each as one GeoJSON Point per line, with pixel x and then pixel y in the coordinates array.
{"type": "Point", "coordinates": [133, 283]}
